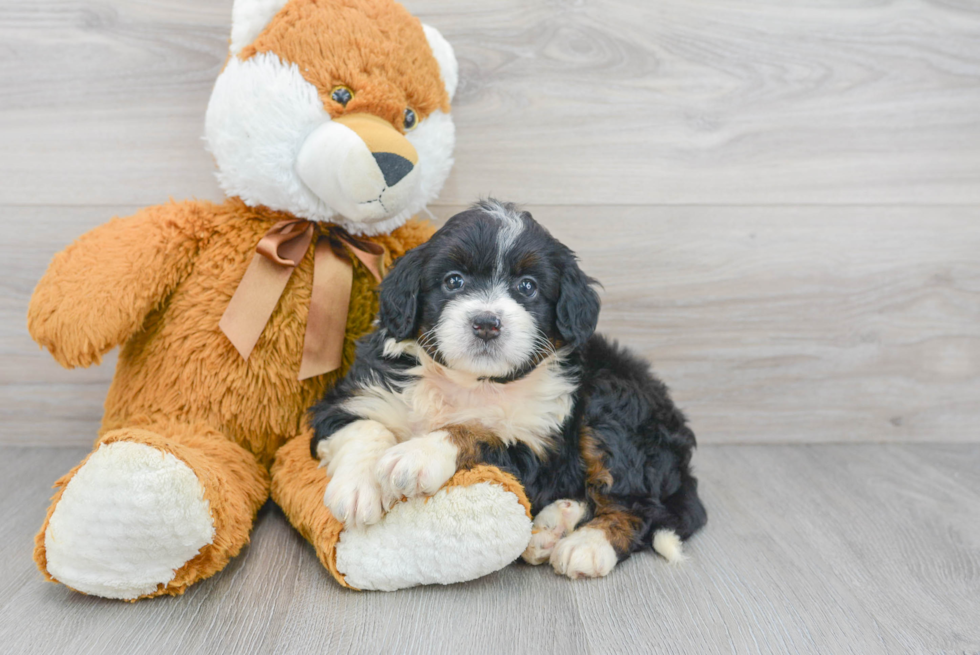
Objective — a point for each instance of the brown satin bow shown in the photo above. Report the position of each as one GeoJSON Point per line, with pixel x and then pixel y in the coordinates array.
{"type": "Point", "coordinates": [278, 254]}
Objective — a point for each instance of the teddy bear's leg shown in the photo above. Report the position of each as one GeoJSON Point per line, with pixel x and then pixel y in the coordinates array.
{"type": "Point", "coordinates": [298, 486]}
{"type": "Point", "coordinates": [150, 512]}
{"type": "Point", "coordinates": [476, 524]}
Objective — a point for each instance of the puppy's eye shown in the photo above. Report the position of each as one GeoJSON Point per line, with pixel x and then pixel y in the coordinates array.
{"type": "Point", "coordinates": [411, 120]}
{"type": "Point", "coordinates": [341, 94]}
{"type": "Point", "coordinates": [527, 287]}
{"type": "Point", "coordinates": [453, 282]}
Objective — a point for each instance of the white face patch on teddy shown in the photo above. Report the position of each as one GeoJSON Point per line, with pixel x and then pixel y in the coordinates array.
{"type": "Point", "coordinates": [363, 183]}
{"type": "Point", "coordinates": [260, 113]}
{"type": "Point", "coordinates": [275, 144]}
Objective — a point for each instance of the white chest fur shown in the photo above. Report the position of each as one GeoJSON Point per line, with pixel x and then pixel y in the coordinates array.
{"type": "Point", "coordinates": [529, 410]}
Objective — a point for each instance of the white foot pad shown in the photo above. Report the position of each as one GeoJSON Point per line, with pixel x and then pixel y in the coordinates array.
{"type": "Point", "coordinates": [459, 534]}
{"type": "Point", "coordinates": [126, 522]}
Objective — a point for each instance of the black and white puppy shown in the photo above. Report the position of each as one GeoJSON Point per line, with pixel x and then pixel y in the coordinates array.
{"type": "Point", "coordinates": [485, 353]}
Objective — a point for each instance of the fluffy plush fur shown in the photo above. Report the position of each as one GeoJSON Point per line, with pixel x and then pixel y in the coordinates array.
{"type": "Point", "coordinates": [85, 547]}
{"type": "Point", "coordinates": [275, 94]}
{"type": "Point", "coordinates": [479, 522]}
{"type": "Point", "coordinates": [485, 354]}
{"type": "Point", "coordinates": [158, 283]}
{"type": "Point", "coordinates": [188, 421]}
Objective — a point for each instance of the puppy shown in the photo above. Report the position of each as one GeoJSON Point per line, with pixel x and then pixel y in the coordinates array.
{"type": "Point", "coordinates": [485, 352]}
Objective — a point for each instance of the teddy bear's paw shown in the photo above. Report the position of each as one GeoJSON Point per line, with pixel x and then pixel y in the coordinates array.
{"type": "Point", "coordinates": [586, 553]}
{"type": "Point", "coordinates": [354, 497]}
{"type": "Point", "coordinates": [551, 524]}
{"type": "Point", "coordinates": [126, 522]}
{"type": "Point", "coordinates": [417, 467]}
{"type": "Point", "coordinates": [458, 534]}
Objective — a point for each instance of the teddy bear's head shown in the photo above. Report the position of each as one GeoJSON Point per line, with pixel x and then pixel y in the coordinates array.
{"type": "Point", "coordinates": [334, 110]}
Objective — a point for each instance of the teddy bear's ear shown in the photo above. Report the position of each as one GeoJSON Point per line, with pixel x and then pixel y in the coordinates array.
{"type": "Point", "coordinates": [249, 18]}
{"type": "Point", "coordinates": [445, 56]}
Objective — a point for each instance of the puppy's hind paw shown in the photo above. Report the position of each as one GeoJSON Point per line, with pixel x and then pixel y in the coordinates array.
{"type": "Point", "coordinates": [551, 524]}
{"type": "Point", "coordinates": [586, 553]}
{"type": "Point", "coordinates": [539, 548]}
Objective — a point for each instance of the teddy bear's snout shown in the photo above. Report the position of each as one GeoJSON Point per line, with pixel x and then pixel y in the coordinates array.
{"type": "Point", "coordinates": [393, 167]}
{"type": "Point", "coordinates": [360, 165]}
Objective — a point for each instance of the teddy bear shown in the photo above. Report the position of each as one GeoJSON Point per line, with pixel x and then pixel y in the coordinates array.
{"type": "Point", "coordinates": [330, 127]}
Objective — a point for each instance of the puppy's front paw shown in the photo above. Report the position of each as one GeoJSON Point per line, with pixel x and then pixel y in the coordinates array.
{"type": "Point", "coordinates": [354, 498]}
{"type": "Point", "coordinates": [417, 467]}
{"type": "Point", "coordinates": [584, 553]}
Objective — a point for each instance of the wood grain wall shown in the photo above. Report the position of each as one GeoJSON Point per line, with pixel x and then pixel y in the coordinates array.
{"type": "Point", "coordinates": [782, 199]}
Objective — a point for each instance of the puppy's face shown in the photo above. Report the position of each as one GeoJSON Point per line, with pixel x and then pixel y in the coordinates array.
{"type": "Point", "coordinates": [491, 294]}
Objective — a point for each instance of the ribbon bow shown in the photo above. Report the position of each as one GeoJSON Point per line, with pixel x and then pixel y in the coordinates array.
{"type": "Point", "coordinates": [277, 255]}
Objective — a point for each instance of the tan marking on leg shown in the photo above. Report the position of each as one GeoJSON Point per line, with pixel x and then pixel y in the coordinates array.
{"type": "Point", "coordinates": [619, 527]}
{"type": "Point", "coordinates": [597, 476]}
{"type": "Point", "coordinates": [618, 524]}
{"type": "Point", "coordinates": [468, 438]}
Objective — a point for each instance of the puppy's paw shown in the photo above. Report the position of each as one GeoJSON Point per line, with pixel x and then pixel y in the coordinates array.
{"type": "Point", "coordinates": [551, 524]}
{"type": "Point", "coordinates": [354, 498]}
{"type": "Point", "coordinates": [586, 553]}
{"type": "Point", "coordinates": [417, 467]}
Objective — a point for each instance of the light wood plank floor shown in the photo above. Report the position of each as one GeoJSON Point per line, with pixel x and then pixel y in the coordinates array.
{"type": "Point", "coordinates": [809, 549]}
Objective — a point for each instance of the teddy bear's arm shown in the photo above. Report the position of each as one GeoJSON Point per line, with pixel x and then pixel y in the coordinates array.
{"type": "Point", "coordinates": [97, 292]}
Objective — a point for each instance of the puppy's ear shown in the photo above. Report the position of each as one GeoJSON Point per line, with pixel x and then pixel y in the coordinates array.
{"type": "Point", "coordinates": [398, 312]}
{"type": "Point", "coordinates": [577, 311]}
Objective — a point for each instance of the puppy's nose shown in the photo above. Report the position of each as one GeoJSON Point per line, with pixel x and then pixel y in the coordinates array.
{"type": "Point", "coordinates": [393, 167]}
{"type": "Point", "coordinates": [486, 326]}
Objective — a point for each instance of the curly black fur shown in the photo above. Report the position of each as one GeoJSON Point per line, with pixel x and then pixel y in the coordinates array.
{"type": "Point", "coordinates": [642, 443]}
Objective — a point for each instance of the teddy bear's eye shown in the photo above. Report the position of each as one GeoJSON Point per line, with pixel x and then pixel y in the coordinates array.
{"type": "Point", "coordinates": [411, 120]}
{"type": "Point", "coordinates": [342, 95]}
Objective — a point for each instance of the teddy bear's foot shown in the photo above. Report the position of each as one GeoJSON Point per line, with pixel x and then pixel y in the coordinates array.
{"type": "Point", "coordinates": [461, 533]}
{"type": "Point", "coordinates": [127, 520]}
{"type": "Point", "coordinates": [135, 519]}
{"type": "Point", "coordinates": [476, 524]}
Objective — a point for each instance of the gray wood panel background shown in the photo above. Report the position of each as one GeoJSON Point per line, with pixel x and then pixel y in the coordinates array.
{"type": "Point", "coordinates": [561, 102]}
{"type": "Point", "coordinates": [783, 203]}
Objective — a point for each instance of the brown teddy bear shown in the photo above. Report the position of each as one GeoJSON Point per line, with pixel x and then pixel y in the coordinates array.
{"type": "Point", "coordinates": [330, 127]}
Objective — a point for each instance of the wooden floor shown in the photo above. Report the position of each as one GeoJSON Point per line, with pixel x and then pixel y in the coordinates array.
{"type": "Point", "coordinates": [783, 203]}
{"type": "Point", "coordinates": [809, 549]}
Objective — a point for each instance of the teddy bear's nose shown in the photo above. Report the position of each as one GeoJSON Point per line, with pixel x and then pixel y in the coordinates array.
{"type": "Point", "coordinates": [393, 167]}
